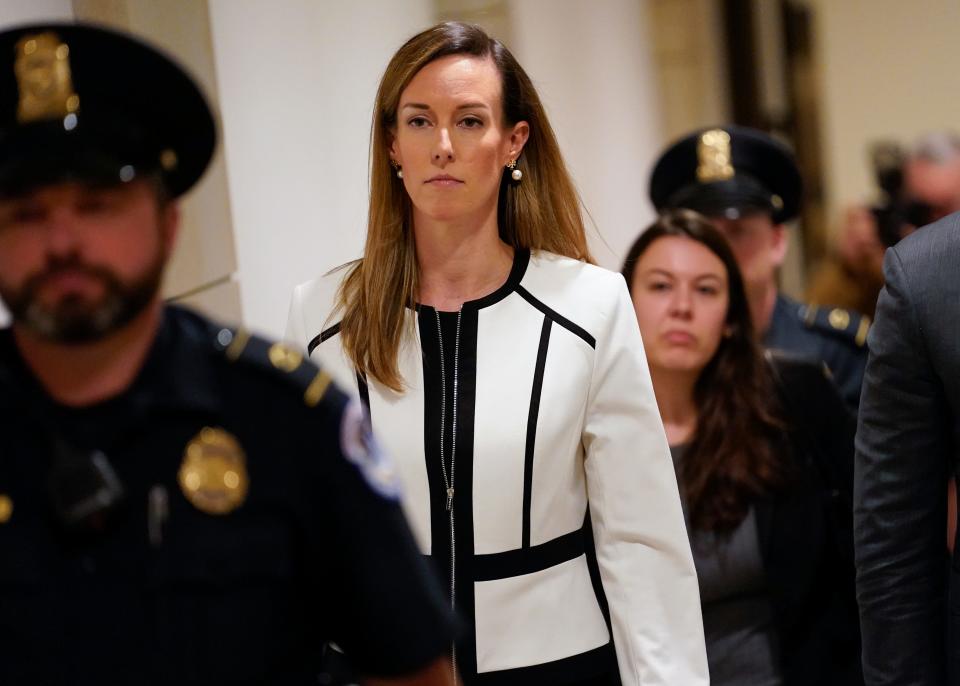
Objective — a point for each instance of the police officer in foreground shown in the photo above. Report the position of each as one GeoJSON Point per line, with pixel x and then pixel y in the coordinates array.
{"type": "Point", "coordinates": [748, 185]}
{"type": "Point", "coordinates": [180, 503]}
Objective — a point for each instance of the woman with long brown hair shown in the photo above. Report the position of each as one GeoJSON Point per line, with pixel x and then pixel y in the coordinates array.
{"type": "Point", "coordinates": [763, 450]}
{"type": "Point", "coordinates": [505, 374]}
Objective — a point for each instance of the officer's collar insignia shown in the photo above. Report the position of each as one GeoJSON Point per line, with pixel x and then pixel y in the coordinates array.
{"type": "Point", "coordinates": [6, 508]}
{"type": "Point", "coordinates": [714, 161]}
{"type": "Point", "coordinates": [862, 329]}
{"type": "Point", "coordinates": [213, 474]}
{"type": "Point", "coordinates": [284, 358]}
{"type": "Point", "coordinates": [234, 343]}
{"type": "Point", "coordinates": [317, 389]}
{"type": "Point", "coordinates": [44, 81]}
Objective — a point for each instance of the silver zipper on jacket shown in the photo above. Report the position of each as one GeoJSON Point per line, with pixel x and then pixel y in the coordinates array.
{"type": "Point", "coordinates": [448, 477]}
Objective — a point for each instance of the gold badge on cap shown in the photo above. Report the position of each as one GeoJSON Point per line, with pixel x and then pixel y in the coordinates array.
{"type": "Point", "coordinates": [42, 68]}
{"type": "Point", "coordinates": [213, 474]}
{"type": "Point", "coordinates": [713, 156]}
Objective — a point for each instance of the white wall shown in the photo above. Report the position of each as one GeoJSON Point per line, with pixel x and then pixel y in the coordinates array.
{"type": "Point", "coordinates": [889, 68]}
{"type": "Point", "coordinates": [592, 64]}
{"type": "Point", "coordinates": [297, 82]}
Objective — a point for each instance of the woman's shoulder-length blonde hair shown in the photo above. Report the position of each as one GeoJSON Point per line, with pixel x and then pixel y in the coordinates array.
{"type": "Point", "coordinates": [540, 213]}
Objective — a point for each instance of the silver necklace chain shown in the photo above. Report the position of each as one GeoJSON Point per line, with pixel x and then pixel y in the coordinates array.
{"type": "Point", "coordinates": [448, 476]}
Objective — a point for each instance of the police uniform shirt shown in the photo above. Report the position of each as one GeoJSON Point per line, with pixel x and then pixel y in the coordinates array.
{"type": "Point", "coordinates": [833, 336]}
{"type": "Point", "coordinates": [257, 521]}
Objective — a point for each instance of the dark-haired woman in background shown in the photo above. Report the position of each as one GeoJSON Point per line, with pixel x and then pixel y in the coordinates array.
{"type": "Point", "coordinates": [765, 480]}
{"type": "Point", "coordinates": [505, 375]}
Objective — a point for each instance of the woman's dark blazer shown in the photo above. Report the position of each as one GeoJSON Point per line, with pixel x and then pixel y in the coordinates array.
{"type": "Point", "coordinates": [806, 532]}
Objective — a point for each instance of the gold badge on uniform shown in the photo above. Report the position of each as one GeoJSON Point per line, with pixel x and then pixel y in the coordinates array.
{"type": "Point", "coordinates": [6, 508]}
{"type": "Point", "coordinates": [213, 474]}
{"type": "Point", "coordinates": [44, 80]}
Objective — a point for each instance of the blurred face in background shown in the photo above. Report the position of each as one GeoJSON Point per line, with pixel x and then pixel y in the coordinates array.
{"type": "Point", "coordinates": [759, 246]}
{"type": "Point", "coordinates": [78, 261]}
{"type": "Point", "coordinates": [934, 184]}
{"type": "Point", "coordinates": [451, 139]}
{"type": "Point", "coordinates": [681, 297]}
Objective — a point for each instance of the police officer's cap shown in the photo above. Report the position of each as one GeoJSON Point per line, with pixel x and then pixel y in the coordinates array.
{"type": "Point", "coordinates": [84, 103]}
{"type": "Point", "coordinates": [728, 172]}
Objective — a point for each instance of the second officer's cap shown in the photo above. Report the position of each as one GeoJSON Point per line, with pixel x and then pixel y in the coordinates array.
{"type": "Point", "coordinates": [727, 172]}
{"type": "Point", "coordinates": [85, 103]}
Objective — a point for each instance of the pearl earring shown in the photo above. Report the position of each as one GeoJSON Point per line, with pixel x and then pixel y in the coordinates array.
{"type": "Point", "coordinates": [515, 173]}
{"type": "Point", "coordinates": [396, 165]}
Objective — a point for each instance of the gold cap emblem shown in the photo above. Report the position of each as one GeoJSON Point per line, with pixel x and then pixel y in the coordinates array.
{"type": "Point", "coordinates": [213, 474]}
{"type": "Point", "coordinates": [713, 156]}
{"type": "Point", "coordinates": [42, 68]}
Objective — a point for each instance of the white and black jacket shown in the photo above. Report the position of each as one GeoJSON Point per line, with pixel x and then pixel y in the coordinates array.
{"type": "Point", "coordinates": [555, 412]}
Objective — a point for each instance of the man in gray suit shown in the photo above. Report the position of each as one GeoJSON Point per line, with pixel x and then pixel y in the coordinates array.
{"type": "Point", "coordinates": [906, 445]}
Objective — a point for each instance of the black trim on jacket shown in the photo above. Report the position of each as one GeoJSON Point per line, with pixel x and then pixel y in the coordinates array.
{"type": "Point", "coordinates": [596, 667]}
{"type": "Point", "coordinates": [532, 417]}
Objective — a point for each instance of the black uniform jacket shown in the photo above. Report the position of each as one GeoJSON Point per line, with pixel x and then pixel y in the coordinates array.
{"type": "Point", "coordinates": [257, 521]}
{"type": "Point", "coordinates": [806, 534]}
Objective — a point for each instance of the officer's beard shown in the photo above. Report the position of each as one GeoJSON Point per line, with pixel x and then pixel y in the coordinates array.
{"type": "Point", "coordinates": [75, 319]}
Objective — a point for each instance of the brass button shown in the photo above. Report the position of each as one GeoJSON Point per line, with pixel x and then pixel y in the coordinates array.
{"type": "Point", "coordinates": [839, 319]}
{"type": "Point", "coordinates": [284, 358]}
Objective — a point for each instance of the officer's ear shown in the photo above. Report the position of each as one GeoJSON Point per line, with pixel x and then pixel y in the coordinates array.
{"type": "Point", "coordinates": [779, 241]}
{"type": "Point", "coordinates": [169, 224]}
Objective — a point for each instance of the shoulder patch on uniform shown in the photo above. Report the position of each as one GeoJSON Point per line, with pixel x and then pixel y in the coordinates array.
{"type": "Point", "coordinates": [362, 450]}
{"type": "Point", "coordinates": [238, 346]}
{"type": "Point", "coordinates": [836, 321]}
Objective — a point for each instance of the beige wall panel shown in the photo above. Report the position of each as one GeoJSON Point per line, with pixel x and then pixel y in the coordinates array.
{"type": "Point", "coordinates": [112, 12]}
{"type": "Point", "coordinates": [13, 12]}
{"type": "Point", "coordinates": [888, 69]}
{"type": "Point", "coordinates": [687, 44]}
{"type": "Point", "coordinates": [492, 15]}
{"type": "Point", "coordinates": [205, 252]}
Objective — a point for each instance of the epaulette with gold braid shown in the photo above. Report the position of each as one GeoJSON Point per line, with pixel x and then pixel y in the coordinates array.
{"type": "Point", "coordinates": [241, 347]}
{"type": "Point", "coordinates": [844, 324]}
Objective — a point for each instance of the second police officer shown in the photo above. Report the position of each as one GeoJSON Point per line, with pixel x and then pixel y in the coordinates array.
{"type": "Point", "coordinates": [749, 186]}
